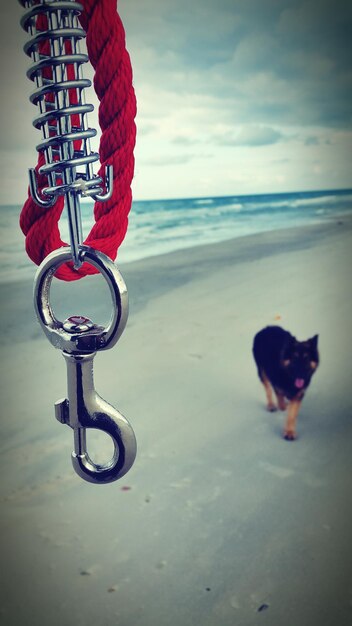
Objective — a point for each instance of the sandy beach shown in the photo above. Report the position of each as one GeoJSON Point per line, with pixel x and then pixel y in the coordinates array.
{"type": "Point", "coordinates": [220, 521]}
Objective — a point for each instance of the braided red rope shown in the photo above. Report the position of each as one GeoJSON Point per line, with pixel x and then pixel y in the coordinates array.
{"type": "Point", "coordinates": [113, 85]}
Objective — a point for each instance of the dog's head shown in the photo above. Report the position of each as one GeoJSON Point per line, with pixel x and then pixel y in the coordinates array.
{"type": "Point", "coordinates": [300, 360]}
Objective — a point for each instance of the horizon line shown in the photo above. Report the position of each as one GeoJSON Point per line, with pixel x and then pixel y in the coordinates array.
{"type": "Point", "coordinates": [340, 190]}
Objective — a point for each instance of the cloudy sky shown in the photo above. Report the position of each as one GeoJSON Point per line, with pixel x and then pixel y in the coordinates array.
{"type": "Point", "coordinates": [234, 97]}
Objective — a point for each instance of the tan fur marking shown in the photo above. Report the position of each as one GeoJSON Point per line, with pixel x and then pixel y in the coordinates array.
{"type": "Point", "coordinates": [292, 412]}
{"type": "Point", "coordinates": [280, 400]}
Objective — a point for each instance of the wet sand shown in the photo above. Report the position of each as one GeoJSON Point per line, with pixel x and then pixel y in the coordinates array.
{"type": "Point", "coordinates": [220, 521]}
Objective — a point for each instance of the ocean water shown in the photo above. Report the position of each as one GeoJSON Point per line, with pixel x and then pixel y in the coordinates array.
{"type": "Point", "coordinates": [161, 226]}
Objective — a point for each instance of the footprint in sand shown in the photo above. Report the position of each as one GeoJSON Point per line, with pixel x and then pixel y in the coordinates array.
{"type": "Point", "coordinates": [89, 571]}
{"type": "Point", "coordinates": [234, 602]}
{"type": "Point", "coordinates": [280, 472]}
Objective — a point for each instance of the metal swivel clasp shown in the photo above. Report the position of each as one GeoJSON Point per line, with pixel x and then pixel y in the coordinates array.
{"type": "Point", "coordinates": [80, 339]}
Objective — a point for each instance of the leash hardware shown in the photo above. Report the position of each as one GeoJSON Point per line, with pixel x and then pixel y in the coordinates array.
{"type": "Point", "coordinates": [79, 340]}
{"type": "Point", "coordinates": [56, 70]}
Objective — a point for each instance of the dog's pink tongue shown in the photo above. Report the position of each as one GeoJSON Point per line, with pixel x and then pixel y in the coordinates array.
{"type": "Point", "coordinates": [299, 383]}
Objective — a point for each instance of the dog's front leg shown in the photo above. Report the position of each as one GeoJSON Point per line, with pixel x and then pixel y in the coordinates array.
{"type": "Point", "coordinates": [280, 399]}
{"type": "Point", "coordinates": [271, 406]}
{"type": "Point", "coordinates": [292, 412]}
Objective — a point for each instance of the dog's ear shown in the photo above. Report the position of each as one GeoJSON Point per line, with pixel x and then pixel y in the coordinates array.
{"type": "Point", "coordinates": [314, 354]}
{"type": "Point", "coordinates": [314, 342]}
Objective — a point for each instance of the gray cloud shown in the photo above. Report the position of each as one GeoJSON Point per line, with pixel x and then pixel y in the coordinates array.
{"type": "Point", "coordinates": [146, 129]}
{"type": "Point", "coordinates": [252, 136]}
{"type": "Point", "coordinates": [185, 140]}
{"type": "Point", "coordinates": [311, 141]}
{"type": "Point", "coordinates": [167, 159]}
{"type": "Point", "coordinates": [268, 62]}
{"type": "Point", "coordinates": [174, 159]}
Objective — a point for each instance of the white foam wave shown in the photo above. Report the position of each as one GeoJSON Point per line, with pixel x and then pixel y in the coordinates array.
{"type": "Point", "coordinates": [204, 201]}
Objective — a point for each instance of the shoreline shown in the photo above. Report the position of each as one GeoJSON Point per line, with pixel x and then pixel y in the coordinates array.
{"type": "Point", "coordinates": [165, 272]}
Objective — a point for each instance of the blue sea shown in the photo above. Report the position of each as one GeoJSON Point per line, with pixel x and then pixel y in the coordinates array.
{"type": "Point", "coordinates": [161, 226]}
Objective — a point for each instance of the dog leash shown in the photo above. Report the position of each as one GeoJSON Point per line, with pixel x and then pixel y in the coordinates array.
{"type": "Point", "coordinates": [63, 174]}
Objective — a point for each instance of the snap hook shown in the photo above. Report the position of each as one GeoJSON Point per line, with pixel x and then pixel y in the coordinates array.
{"type": "Point", "coordinates": [84, 409]}
{"type": "Point", "coordinates": [79, 340]}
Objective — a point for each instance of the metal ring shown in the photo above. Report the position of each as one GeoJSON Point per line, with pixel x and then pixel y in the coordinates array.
{"type": "Point", "coordinates": [99, 338]}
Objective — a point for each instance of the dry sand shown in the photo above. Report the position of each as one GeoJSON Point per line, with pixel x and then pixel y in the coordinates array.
{"type": "Point", "coordinates": [220, 521]}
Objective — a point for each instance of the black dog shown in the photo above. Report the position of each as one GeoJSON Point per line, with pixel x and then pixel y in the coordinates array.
{"type": "Point", "coordinates": [287, 366]}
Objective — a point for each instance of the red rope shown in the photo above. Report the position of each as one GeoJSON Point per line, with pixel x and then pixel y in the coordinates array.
{"type": "Point", "coordinates": [117, 110]}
